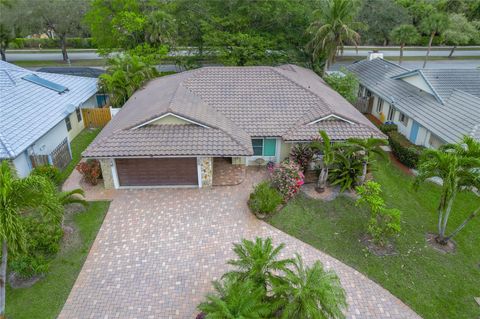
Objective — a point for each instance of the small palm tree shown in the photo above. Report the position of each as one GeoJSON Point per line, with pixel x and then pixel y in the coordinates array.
{"type": "Point", "coordinates": [237, 299]}
{"type": "Point", "coordinates": [72, 197]}
{"type": "Point", "coordinates": [328, 157]}
{"type": "Point", "coordinates": [310, 293]}
{"type": "Point", "coordinates": [366, 148]}
{"type": "Point", "coordinates": [333, 27]}
{"type": "Point", "coordinates": [257, 261]}
{"type": "Point", "coordinates": [404, 34]}
{"type": "Point", "coordinates": [434, 24]}
{"type": "Point", "coordinates": [458, 165]}
{"type": "Point", "coordinates": [16, 196]}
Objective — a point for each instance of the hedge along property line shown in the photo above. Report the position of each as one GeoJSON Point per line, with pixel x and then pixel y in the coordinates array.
{"type": "Point", "coordinates": [34, 43]}
{"type": "Point", "coordinates": [406, 152]}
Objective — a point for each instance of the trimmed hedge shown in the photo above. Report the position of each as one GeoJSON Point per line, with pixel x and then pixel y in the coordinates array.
{"type": "Point", "coordinates": [386, 128]}
{"type": "Point", "coordinates": [406, 152]}
{"type": "Point", "coordinates": [33, 43]}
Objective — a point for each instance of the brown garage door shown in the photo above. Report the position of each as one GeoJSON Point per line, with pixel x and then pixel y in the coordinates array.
{"type": "Point", "coordinates": [157, 171]}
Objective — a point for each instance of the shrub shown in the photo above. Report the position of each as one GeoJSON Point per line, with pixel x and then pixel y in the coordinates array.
{"type": "Point", "coordinates": [91, 171]}
{"type": "Point", "coordinates": [287, 178]}
{"type": "Point", "coordinates": [48, 171]}
{"type": "Point", "coordinates": [384, 222]}
{"type": "Point", "coordinates": [302, 154]}
{"type": "Point", "coordinates": [346, 170]}
{"type": "Point", "coordinates": [386, 128]}
{"type": "Point", "coordinates": [27, 266]}
{"type": "Point", "coordinates": [345, 84]}
{"type": "Point", "coordinates": [264, 199]}
{"type": "Point", "coordinates": [406, 152]}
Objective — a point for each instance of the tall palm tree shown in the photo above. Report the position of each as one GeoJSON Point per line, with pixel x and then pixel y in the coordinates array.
{"type": "Point", "coordinates": [434, 24]}
{"type": "Point", "coordinates": [458, 165]}
{"type": "Point", "coordinates": [310, 293]}
{"type": "Point", "coordinates": [333, 27]}
{"type": "Point", "coordinates": [16, 196]}
{"type": "Point", "coordinates": [323, 146]}
{"type": "Point", "coordinates": [257, 261]}
{"type": "Point", "coordinates": [366, 148]}
{"type": "Point", "coordinates": [237, 299]}
{"type": "Point", "coordinates": [404, 34]}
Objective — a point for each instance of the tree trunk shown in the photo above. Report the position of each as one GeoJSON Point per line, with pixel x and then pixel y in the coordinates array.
{"type": "Point", "coordinates": [401, 53]}
{"type": "Point", "coordinates": [462, 225]}
{"type": "Point", "coordinates": [3, 278]}
{"type": "Point", "coordinates": [322, 179]}
{"type": "Point", "coordinates": [451, 52]}
{"type": "Point", "coordinates": [443, 227]}
{"type": "Point", "coordinates": [364, 173]}
{"type": "Point", "coordinates": [63, 44]}
{"type": "Point", "coordinates": [2, 53]}
{"type": "Point", "coordinates": [432, 35]}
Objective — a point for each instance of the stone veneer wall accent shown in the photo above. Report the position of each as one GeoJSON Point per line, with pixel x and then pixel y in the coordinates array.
{"type": "Point", "coordinates": [206, 167]}
{"type": "Point", "coordinates": [107, 173]}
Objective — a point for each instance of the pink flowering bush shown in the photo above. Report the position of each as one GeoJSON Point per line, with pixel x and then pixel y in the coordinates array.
{"type": "Point", "coordinates": [287, 178]}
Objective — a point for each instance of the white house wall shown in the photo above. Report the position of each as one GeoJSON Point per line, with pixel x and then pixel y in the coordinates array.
{"type": "Point", "coordinates": [419, 82]}
{"type": "Point", "coordinates": [90, 103]}
{"type": "Point", "coordinates": [48, 142]}
{"type": "Point", "coordinates": [22, 164]}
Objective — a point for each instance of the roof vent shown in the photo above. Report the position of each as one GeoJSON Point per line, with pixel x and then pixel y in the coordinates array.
{"type": "Point", "coordinates": [374, 55]}
{"type": "Point", "coordinates": [45, 83]}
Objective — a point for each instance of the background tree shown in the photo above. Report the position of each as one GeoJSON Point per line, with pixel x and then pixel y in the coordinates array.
{"type": "Point", "coordinates": [433, 25]}
{"type": "Point", "coordinates": [16, 196]}
{"type": "Point", "coordinates": [333, 26]}
{"type": "Point", "coordinates": [381, 17]}
{"type": "Point", "coordinates": [13, 15]}
{"type": "Point", "coordinates": [161, 28]}
{"type": "Point", "coordinates": [460, 32]}
{"type": "Point", "coordinates": [61, 18]}
{"type": "Point", "coordinates": [404, 34]}
{"type": "Point", "coordinates": [458, 165]}
{"type": "Point", "coordinates": [346, 84]}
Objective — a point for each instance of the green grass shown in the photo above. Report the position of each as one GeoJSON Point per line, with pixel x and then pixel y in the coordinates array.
{"type": "Point", "coordinates": [45, 298]}
{"type": "Point", "coordinates": [78, 145]}
{"type": "Point", "coordinates": [433, 284]}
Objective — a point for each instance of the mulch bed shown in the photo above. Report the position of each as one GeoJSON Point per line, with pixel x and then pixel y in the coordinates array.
{"type": "Point", "coordinates": [401, 166]}
{"type": "Point", "coordinates": [329, 194]}
{"type": "Point", "coordinates": [449, 248]}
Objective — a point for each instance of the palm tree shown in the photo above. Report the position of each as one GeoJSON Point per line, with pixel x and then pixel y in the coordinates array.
{"type": "Point", "coordinates": [333, 27]}
{"type": "Point", "coordinates": [404, 34]}
{"type": "Point", "coordinates": [72, 197]}
{"type": "Point", "coordinates": [257, 261]}
{"type": "Point", "coordinates": [16, 196]}
{"type": "Point", "coordinates": [434, 24]}
{"type": "Point", "coordinates": [161, 28]}
{"type": "Point", "coordinates": [366, 148]}
{"type": "Point", "coordinates": [328, 156]}
{"type": "Point", "coordinates": [458, 165]}
{"type": "Point", "coordinates": [310, 292]}
{"type": "Point", "coordinates": [237, 299]}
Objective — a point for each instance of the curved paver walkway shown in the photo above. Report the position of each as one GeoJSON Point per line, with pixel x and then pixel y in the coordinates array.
{"type": "Point", "coordinates": [158, 251]}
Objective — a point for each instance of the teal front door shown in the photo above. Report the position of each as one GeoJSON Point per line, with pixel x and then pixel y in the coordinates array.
{"type": "Point", "coordinates": [414, 132]}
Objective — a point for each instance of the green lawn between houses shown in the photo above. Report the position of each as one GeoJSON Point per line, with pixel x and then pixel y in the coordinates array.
{"type": "Point", "coordinates": [433, 284]}
{"type": "Point", "coordinates": [45, 298]}
{"type": "Point", "coordinates": [78, 145]}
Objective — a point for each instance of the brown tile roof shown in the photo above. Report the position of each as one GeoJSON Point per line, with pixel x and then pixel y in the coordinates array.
{"type": "Point", "coordinates": [235, 103]}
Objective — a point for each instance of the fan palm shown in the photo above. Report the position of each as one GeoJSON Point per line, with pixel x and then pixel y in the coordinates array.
{"type": "Point", "coordinates": [310, 293]}
{"type": "Point", "coordinates": [257, 261]}
{"type": "Point", "coordinates": [404, 34]}
{"type": "Point", "coordinates": [16, 196]}
{"type": "Point", "coordinates": [236, 299]}
{"type": "Point", "coordinates": [366, 148]}
{"type": "Point", "coordinates": [161, 28]}
{"type": "Point", "coordinates": [328, 156]}
{"type": "Point", "coordinates": [334, 26]}
{"type": "Point", "coordinates": [458, 165]}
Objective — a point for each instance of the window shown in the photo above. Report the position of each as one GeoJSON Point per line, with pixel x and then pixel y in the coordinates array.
{"type": "Point", "coordinates": [264, 147]}
{"type": "Point", "coordinates": [69, 125]}
{"type": "Point", "coordinates": [435, 141]}
{"type": "Point", "coordinates": [391, 114]}
{"type": "Point", "coordinates": [79, 114]}
{"type": "Point", "coordinates": [379, 105]}
{"type": "Point", "coordinates": [369, 93]}
{"type": "Point", "coordinates": [403, 118]}
{"type": "Point", "coordinates": [360, 90]}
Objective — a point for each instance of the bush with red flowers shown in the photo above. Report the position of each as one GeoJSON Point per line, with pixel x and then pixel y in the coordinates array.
{"type": "Point", "coordinates": [288, 178]}
{"type": "Point", "coordinates": [90, 170]}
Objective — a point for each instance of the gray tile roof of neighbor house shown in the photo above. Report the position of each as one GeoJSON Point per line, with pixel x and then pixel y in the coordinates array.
{"type": "Point", "coordinates": [230, 105]}
{"type": "Point", "coordinates": [452, 112]}
{"type": "Point", "coordinates": [29, 110]}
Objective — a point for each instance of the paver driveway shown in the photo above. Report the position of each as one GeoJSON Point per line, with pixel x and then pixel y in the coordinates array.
{"type": "Point", "coordinates": [159, 249]}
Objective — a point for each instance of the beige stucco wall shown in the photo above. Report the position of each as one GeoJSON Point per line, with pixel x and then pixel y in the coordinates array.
{"type": "Point", "coordinates": [77, 126]}
{"type": "Point", "coordinates": [206, 170]}
{"type": "Point", "coordinates": [107, 173]}
{"type": "Point", "coordinates": [170, 119]}
{"type": "Point", "coordinates": [285, 150]}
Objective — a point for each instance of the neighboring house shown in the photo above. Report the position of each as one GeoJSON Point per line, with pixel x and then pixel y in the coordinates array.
{"type": "Point", "coordinates": [170, 131]}
{"type": "Point", "coordinates": [430, 106]}
{"type": "Point", "coordinates": [40, 114]}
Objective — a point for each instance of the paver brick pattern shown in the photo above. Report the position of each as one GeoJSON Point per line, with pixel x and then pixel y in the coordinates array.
{"type": "Point", "coordinates": [159, 249]}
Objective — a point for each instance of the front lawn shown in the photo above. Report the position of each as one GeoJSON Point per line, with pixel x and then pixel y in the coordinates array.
{"type": "Point", "coordinates": [45, 299]}
{"type": "Point", "coordinates": [78, 145]}
{"type": "Point", "coordinates": [433, 284]}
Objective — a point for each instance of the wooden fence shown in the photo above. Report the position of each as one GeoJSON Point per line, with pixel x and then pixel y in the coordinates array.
{"type": "Point", "coordinates": [61, 155]}
{"type": "Point", "coordinates": [96, 117]}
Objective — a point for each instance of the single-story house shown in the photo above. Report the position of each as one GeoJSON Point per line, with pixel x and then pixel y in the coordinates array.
{"type": "Point", "coordinates": [169, 132]}
{"type": "Point", "coordinates": [430, 106]}
{"type": "Point", "coordinates": [40, 115]}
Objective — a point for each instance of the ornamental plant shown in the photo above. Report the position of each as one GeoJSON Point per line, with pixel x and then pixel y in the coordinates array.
{"type": "Point", "coordinates": [264, 199]}
{"type": "Point", "coordinates": [48, 171]}
{"type": "Point", "coordinates": [90, 170]}
{"type": "Point", "coordinates": [288, 178]}
{"type": "Point", "coordinates": [302, 154]}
